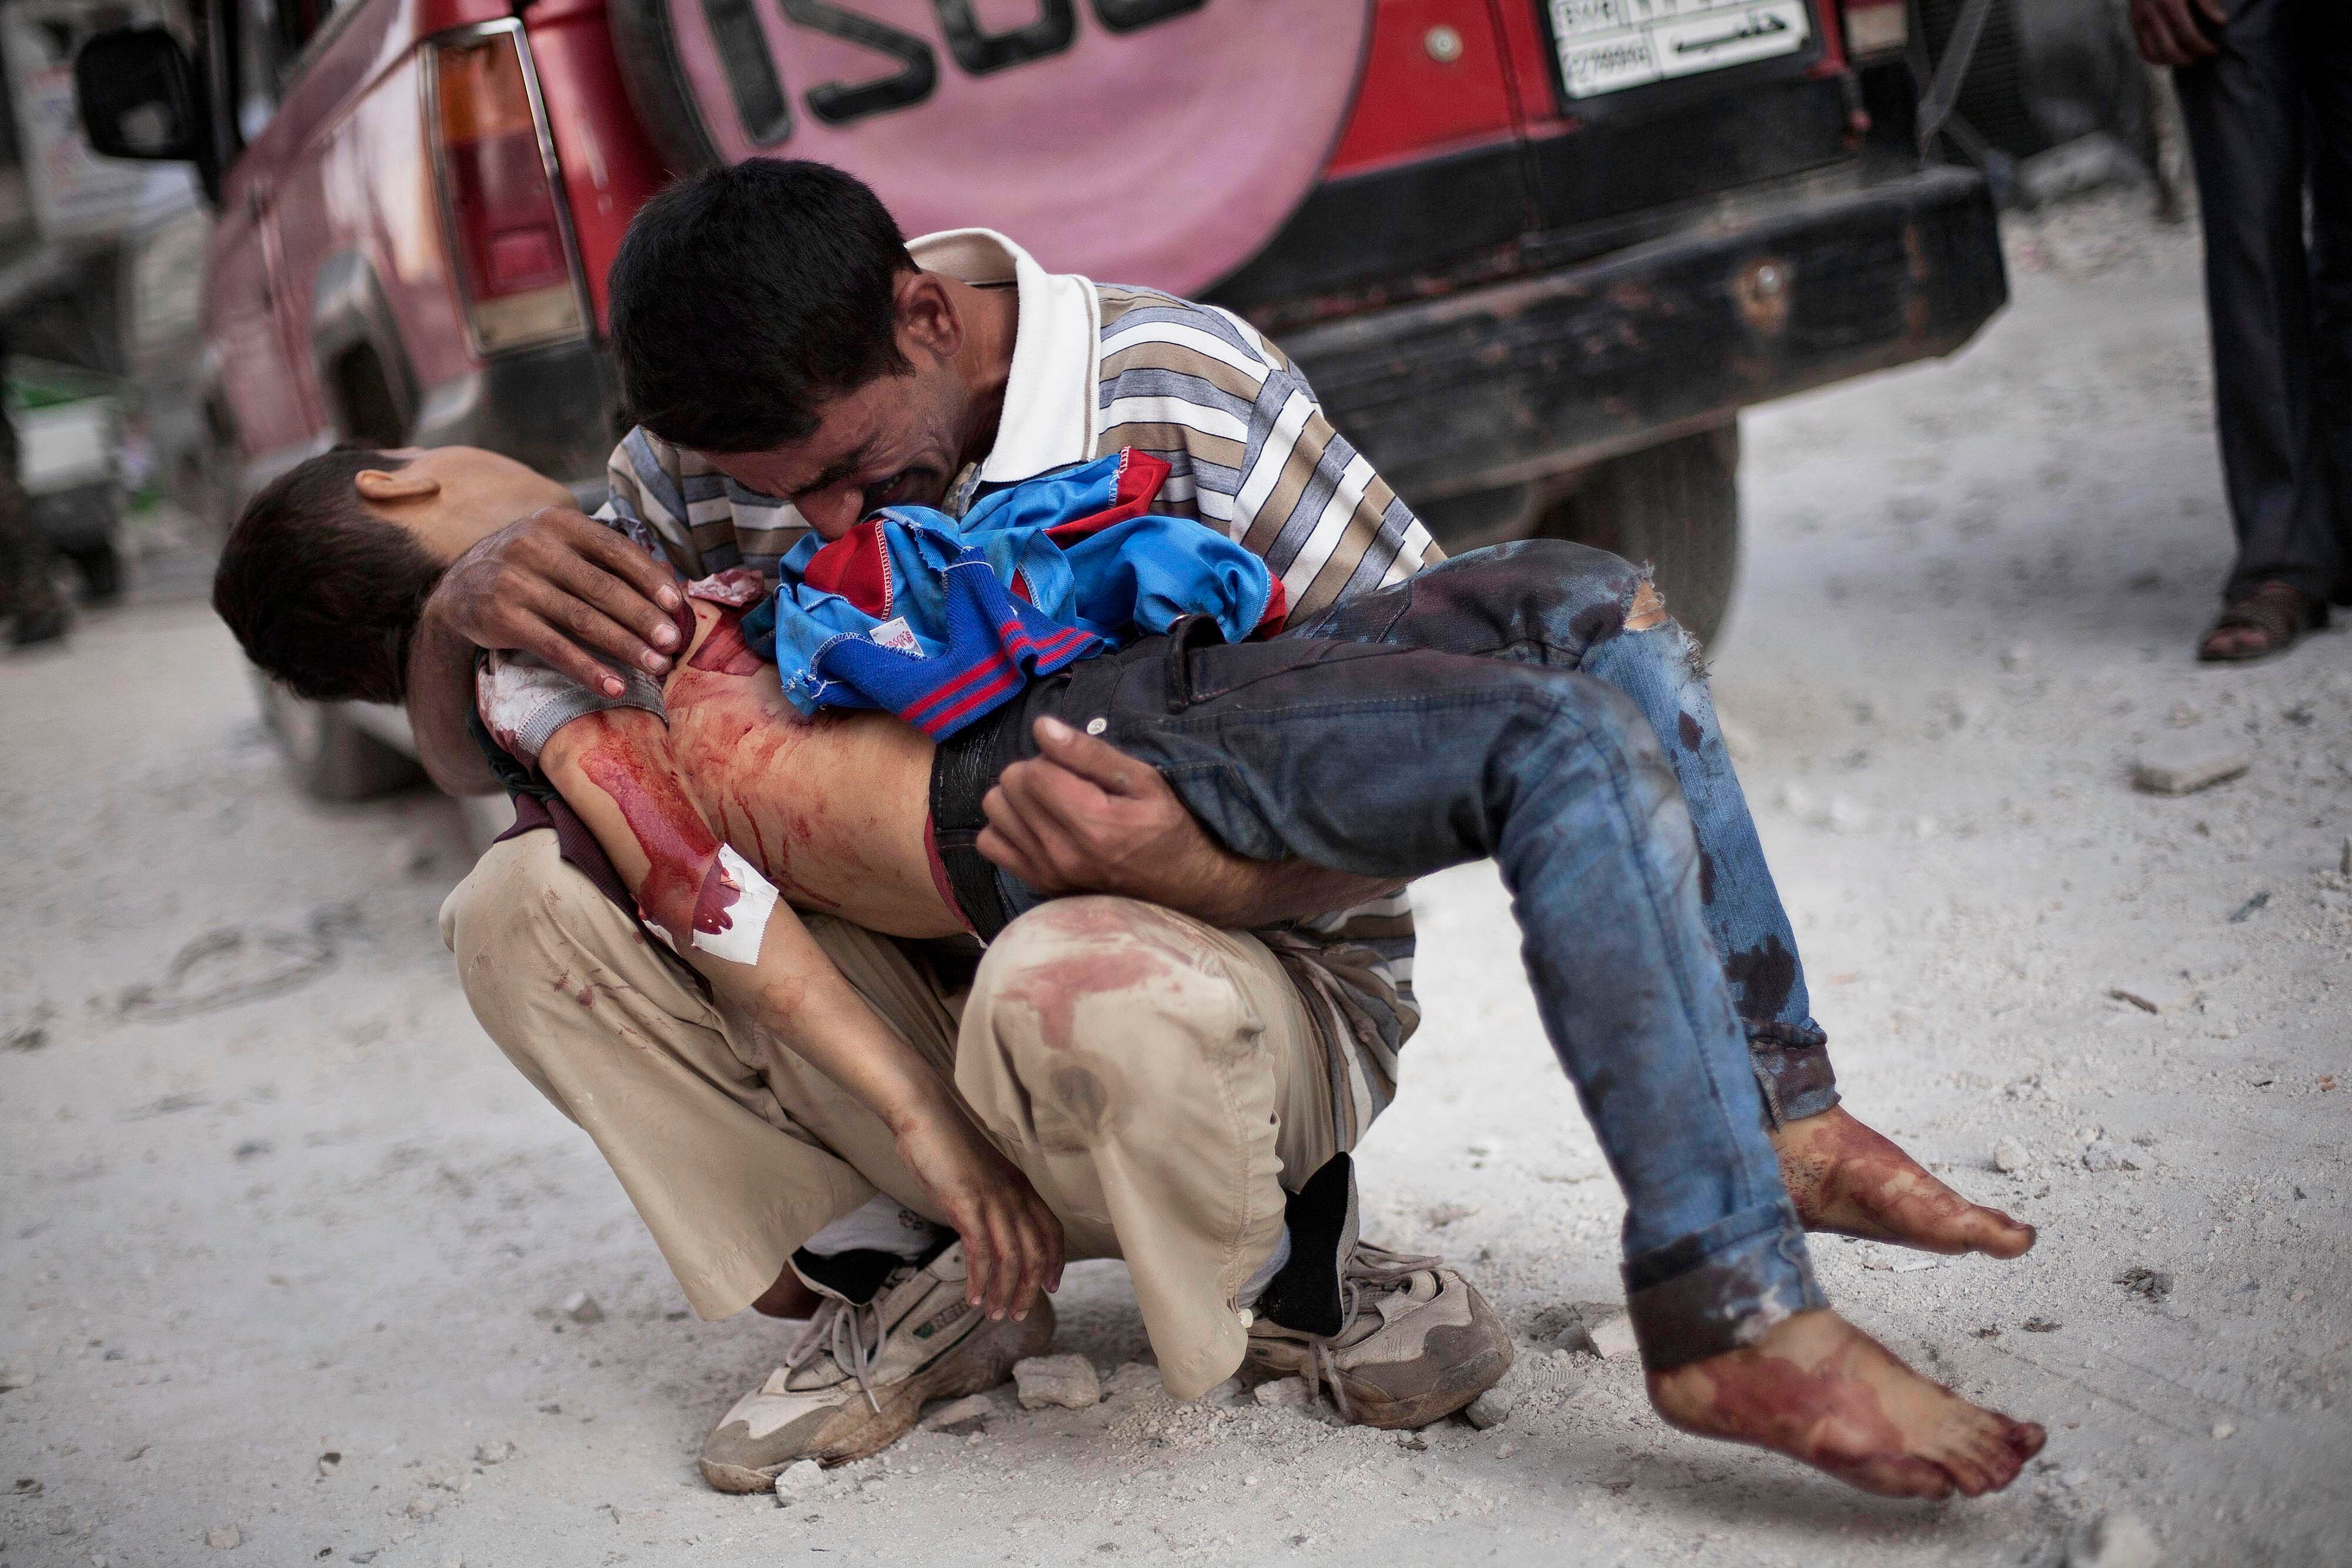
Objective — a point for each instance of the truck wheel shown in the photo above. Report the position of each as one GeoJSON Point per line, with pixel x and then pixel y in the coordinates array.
{"type": "Point", "coordinates": [1676, 506]}
{"type": "Point", "coordinates": [331, 758]}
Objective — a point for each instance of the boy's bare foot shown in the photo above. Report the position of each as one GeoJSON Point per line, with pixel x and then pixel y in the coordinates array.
{"type": "Point", "coordinates": [1846, 1178]}
{"type": "Point", "coordinates": [1818, 1389]}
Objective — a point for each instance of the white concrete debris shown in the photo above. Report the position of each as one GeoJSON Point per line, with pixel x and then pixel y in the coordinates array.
{"type": "Point", "coordinates": [496, 1453]}
{"type": "Point", "coordinates": [2105, 1155]}
{"type": "Point", "coordinates": [2113, 1540]}
{"type": "Point", "coordinates": [223, 1537]}
{"type": "Point", "coordinates": [2185, 763]}
{"type": "Point", "coordinates": [1612, 1336]}
{"type": "Point", "coordinates": [1067, 1381]}
{"type": "Point", "coordinates": [1491, 1408]}
{"type": "Point", "coordinates": [958, 1414]}
{"type": "Point", "coordinates": [2223, 1431]}
{"type": "Point", "coordinates": [798, 1481]}
{"type": "Point", "coordinates": [2010, 1156]}
{"type": "Point", "coordinates": [581, 1308]}
{"type": "Point", "coordinates": [1286, 1393]}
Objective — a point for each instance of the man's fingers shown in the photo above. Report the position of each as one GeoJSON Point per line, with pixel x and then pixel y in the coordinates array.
{"type": "Point", "coordinates": [625, 583]}
{"type": "Point", "coordinates": [1005, 1238]}
{"type": "Point", "coordinates": [979, 1260]}
{"type": "Point", "coordinates": [1097, 761]}
{"type": "Point", "coordinates": [1054, 1244]}
{"type": "Point", "coordinates": [554, 644]}
{"type": "Point", "coordinates": [1016, 833]}
{"type": "Point", "coordinates": [2179, 33]}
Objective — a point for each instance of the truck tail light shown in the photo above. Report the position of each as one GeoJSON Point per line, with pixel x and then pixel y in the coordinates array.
{"type": "Point", "coordinates": [1876, 28]}
{"type": "Point", "coordinates": [506, 233]}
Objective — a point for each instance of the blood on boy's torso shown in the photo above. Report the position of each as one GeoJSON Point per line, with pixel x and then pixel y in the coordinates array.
{"type": "Point", "coordinates": [832, 810]}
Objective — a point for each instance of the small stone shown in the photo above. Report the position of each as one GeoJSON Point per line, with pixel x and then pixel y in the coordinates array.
{"type": "Point", "coordinates": [1067, 1381]}
{"type": "Point", "coordinates": [799, 1480]}
{"type": "Point", "coordinates": [2343, 861]}
{"type": "Point", "coordinates": [363, 1558]}
{"type": "Point", "coordinates": [958, 1414]}
{"type": "Point", "coordinates": [2113, 1540]}
{"type": "Point", "coordinates": [1286, 1393]}
{"type": "Point", "coordinates": [2223, 1430]}
{"type": "Point", "coordinates": [14, 1377]}
{"type": "Point", "coordinates": [1613, 1337]}
{"type": "Point", "coordinates": [223, 1537]}
{"type": "Point", "coordinates": [2105, 1155]}
{"type": "Point", "coordinates": [581, 1308]}
{"type": "Point", "coordinates": [496, 1453]}
{"type": "Point", "coordinates": [2041, 1326]}
{"type": "Point", "coordinates": [27, 1486]}
{"type": "Point", "coordinates": [423, 1507]}
{"type": "Point", "coordinates": [1491, 1408]}
{"type": "Point", "coordinates": [1505, 1450]}
{"type": "Point", "coordinates": [2184, 764]}
{"type": "Point", "coordinates": [2010, 1156]}
{"type": "Point", "coordinates": [329, 1462]}
{"type": "Point", "coordinates": [2153, 1283]}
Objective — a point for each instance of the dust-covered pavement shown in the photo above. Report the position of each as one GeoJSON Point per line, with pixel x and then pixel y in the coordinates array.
{"type": "Point", "coordinates": [287, 1273]}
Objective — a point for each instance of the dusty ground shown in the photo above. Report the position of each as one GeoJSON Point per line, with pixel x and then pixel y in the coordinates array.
{"type": "Point", "coordinates": [288, 1269]}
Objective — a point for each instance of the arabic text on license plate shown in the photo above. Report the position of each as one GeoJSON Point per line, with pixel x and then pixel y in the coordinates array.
{"type": "Point", "coordinates": [1608, 46]}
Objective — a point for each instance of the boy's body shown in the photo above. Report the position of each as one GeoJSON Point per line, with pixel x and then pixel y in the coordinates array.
{"type": "Point", "coordinates": [736, 770]}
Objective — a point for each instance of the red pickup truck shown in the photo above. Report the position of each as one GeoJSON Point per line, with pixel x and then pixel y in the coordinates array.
{"type": "Point", "coordinates": [1535, 254]}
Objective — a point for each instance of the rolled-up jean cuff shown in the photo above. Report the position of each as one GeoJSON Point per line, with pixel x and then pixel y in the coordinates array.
{"type": "Point", "coordinates": [1792, 1068]}
{"type": "Point", "coordinates": [1721, 1288]}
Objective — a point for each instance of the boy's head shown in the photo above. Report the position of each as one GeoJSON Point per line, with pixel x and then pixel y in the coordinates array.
{"type": "Point", "coordinates": [326, 573]}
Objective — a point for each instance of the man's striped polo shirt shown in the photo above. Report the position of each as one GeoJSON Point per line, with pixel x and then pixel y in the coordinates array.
{"type": "Point", "coordinates": [1096, 367]}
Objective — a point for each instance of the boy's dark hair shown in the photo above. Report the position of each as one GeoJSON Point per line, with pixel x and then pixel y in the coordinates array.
{"type": "Point", "coordinates": [323, 594]}
{"type": "Point", "coordinates": [743, 297]}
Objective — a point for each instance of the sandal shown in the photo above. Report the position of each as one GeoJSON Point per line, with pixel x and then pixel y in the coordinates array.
{"type": "Point", "coordinates": [2279, 611]}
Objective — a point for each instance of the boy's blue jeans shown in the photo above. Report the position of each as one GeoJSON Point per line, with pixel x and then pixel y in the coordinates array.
{"type": "Point", "coordinates": [1494, 706]}
{"type": "Point", "coordinates": [1548, 601]}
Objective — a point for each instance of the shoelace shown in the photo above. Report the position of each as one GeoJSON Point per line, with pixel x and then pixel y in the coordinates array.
{"type": "Point", "coordinates": [839, 1330]}
{"type": "Point", "coordinates": [1368, 1266]}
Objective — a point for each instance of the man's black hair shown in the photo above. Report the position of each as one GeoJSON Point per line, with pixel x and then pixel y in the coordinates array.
{"type": "Point", "coordinates": [323, 594]}
{"type": "Point", "coordinates": [744, 298]}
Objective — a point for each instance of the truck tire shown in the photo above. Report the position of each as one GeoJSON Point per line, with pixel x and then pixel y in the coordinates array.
{"type": "Point", "coordinates": [1675, 505]}
{"type": "Point", "coordinates": [331, 758]}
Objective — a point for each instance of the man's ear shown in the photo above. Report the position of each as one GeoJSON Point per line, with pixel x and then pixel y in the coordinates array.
{"type": "Point", "coordinates": [928, 319]}
{"type": "Point", "coordinates": [401, 485]}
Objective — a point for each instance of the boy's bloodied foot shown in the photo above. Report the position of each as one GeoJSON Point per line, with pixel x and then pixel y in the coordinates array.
{"type": "Point", "coordinates": [1818, 1389]}
{"type": "Point", "coordinates": [1845, 1177]}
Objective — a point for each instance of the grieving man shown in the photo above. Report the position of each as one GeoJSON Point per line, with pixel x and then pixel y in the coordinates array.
{"type": "Point", "coordinates": [795, 363]}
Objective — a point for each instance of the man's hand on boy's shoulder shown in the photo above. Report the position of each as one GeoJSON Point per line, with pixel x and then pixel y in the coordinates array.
{"type": "Point", "coordinates": [563, 586]}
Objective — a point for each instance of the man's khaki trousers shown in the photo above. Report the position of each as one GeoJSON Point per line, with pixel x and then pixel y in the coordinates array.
{"type": "Point", "coordinates": [1156, 1078]}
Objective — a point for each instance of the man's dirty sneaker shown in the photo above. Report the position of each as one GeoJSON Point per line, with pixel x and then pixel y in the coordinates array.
{"type": "Point", "coordinates": [889, 1336]}
{"type": "Point", "coordinates": [1400, 1341]}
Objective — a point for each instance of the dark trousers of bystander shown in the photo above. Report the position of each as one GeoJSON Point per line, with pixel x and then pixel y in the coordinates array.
{"type": "Point", "coordinates": [2270, 123]}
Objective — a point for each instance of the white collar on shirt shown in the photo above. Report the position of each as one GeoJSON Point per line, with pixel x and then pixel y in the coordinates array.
{"type": "Point", "coordinates": [1049, 418]}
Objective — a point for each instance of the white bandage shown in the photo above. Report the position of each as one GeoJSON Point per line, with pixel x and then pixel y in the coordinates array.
{"type": "Point", "coordinates": [755, 899]}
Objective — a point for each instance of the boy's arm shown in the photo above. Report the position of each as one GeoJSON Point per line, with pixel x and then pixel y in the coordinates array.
{"type": "Point", "coordinates": [615, 770]}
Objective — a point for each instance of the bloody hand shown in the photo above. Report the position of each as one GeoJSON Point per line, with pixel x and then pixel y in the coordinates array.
{"type": "Point", "coordinates": [1012, 1241]}
{"type": "Point", "coordinates": [2174, 32]}
{"type": "Point", "coordinates": [560, 584]}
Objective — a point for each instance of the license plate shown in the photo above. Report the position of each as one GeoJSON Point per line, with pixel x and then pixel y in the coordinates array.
{"type": "Point", "coordinates": [1608, 46]}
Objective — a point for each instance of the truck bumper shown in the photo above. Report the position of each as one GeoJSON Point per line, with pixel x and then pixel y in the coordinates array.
{"type": "Point", "coordinates": [1509, 382]}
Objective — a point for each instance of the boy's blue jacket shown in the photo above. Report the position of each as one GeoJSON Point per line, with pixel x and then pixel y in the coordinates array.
{"type": "Point", "coordinates": [941, 621]}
